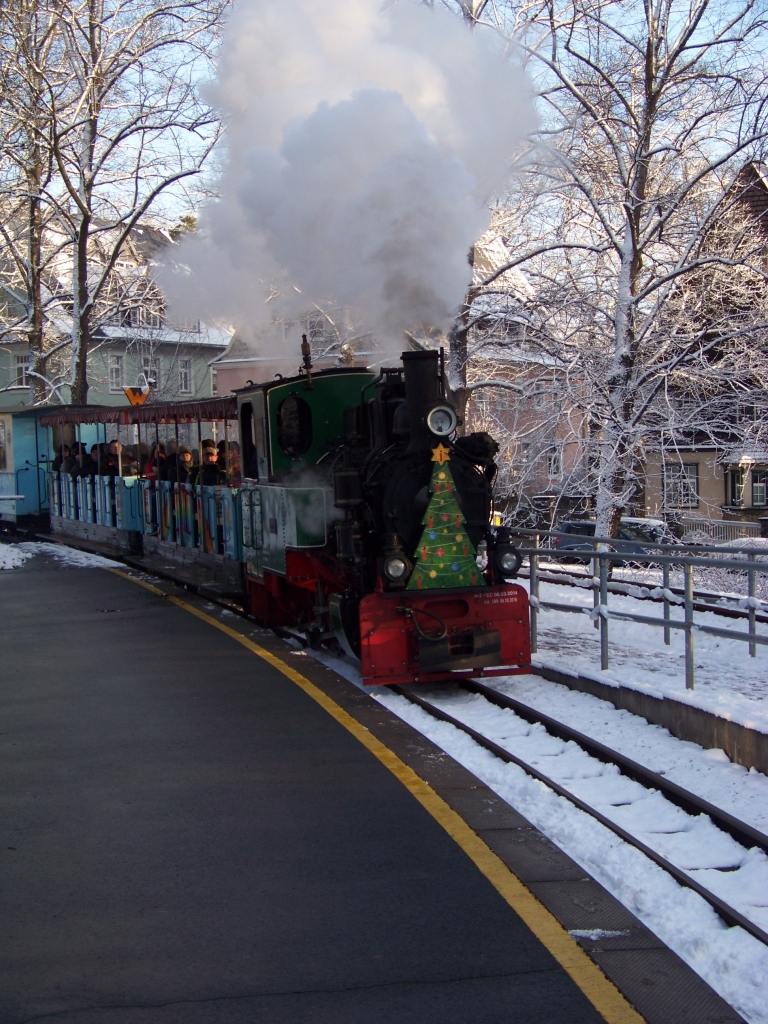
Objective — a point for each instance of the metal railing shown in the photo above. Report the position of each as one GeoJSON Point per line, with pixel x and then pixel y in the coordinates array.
{"type": "Point", "coordinates": [607, 552]}
{"type": "Point", "coordinates": [720, 529]}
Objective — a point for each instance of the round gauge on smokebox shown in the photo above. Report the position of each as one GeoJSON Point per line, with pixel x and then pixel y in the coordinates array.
{"type": "Point", "coordinates": [442, 420]}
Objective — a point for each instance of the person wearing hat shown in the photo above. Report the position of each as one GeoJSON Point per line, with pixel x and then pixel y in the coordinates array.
{"type": "Point", "coordinates": [181, 466]}
{"type": "Point", "coordinates": [210, 474]}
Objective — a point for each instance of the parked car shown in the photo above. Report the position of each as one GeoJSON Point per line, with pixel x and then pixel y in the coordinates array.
{"type": "Point", "coordinates": [633, 536]}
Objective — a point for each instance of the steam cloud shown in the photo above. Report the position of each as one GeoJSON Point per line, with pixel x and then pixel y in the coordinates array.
{"type": "Point", "coordinates": [362, 145]}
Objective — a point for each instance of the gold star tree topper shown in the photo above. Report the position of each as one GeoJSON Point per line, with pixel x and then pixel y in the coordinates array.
{"type": "Point", "coordinates": [441, 454]}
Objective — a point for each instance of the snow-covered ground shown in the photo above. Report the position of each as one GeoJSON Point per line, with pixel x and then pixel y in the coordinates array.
{"type": "Point", "coordinates": [11, 557]}
{"type": "Point", "coordinates": [728, 682]}
{"type": "Point", "coordinates": [14, 555]}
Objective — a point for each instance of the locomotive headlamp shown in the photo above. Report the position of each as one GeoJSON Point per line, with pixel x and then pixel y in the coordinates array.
{"type": "Point", "coordinates": [396, 567]}
{"type": "Point", "coordinates": [442, 420]}
{"type": "Point", "coordinates": [508, 560]}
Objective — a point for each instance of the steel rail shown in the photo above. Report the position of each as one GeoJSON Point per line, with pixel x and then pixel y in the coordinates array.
{"type": "Point", "coordinates": [743, 833]}
{"type": "Point", "coordinates": [729, 915]}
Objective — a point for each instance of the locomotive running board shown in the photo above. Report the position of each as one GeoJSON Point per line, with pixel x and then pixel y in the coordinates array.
{"type": "Point", "coordinates": [447, 677]}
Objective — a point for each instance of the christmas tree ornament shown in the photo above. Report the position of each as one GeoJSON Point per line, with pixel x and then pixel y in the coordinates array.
{"type": "Point", "coordinates": [444, 555]}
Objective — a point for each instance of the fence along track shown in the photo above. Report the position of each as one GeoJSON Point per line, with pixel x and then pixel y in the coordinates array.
{"type": "Point", "coordinates": [605, 551]}
{"type": "Point", "coordinates": [729, 915]}
{"type": "Point", "coordinates": [706, 599]}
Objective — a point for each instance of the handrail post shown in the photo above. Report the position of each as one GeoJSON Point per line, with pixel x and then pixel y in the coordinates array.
{"type": "Point", "coordinates": [603, 613]}
{"type": "Point", "coordinates": [688, 571]}
{"type": "Point", "coordinates": [751, 592]}
{"type": "Point", "coordinates": [534, 581]}
{"type": "Point", "coordinates": [595, 585]}
{"type": "Point", "coordinates": [667, 617]}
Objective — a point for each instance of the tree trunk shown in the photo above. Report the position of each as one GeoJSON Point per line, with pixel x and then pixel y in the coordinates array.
{"type": "Point", "coordinates": [81, 316]}
{"type": "Point", "coordinates": [38, 392]}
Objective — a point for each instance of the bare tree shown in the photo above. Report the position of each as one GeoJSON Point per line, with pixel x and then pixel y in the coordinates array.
{"type": "Point", "coordinates": [29, 60]}
{"type": "Point", "coordinates": [648, 114]}
{"type": "Point", "coordinates": [134, 127]}
{"type": "Point", "coordinates": [120, 113]}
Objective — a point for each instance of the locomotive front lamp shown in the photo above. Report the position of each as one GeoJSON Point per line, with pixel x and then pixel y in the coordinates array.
{"type": "Point", "coordinates": [508, 560]}
{"type": "Point", "coordinates": [442, 420]}
{"type": "Point", "coordinates": [396, 567]}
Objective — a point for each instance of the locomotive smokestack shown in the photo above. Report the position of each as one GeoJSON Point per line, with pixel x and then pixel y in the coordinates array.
{"type": "Point", "coordinates": [422, 390]}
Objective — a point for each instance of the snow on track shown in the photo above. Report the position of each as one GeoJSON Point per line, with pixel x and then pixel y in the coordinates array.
{"type": "Point", "coordinates": [693, 843]}
{"type": "Point", "coordinates": [707, 773]}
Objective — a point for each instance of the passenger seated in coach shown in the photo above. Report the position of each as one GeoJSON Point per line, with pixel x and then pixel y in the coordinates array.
{"type": "Point", "coordinates": [90, 465]}
{"type": "Point", "coordinates": [76, 459]}
{"type": "Point", "coordinates": [210, 474]}
{"type": "Point", "coordinates": [109, 463]}
{"type": "Point", "coordinates": [234, 461]}
{"type": "Point", "coordinates": [129, 461]}
{"type": "Point", "coordinates": [155, 465]}
{"type": "Point", "coordinates": [181, 465]}
{"type": "Point", "coordinates": [62, 454]}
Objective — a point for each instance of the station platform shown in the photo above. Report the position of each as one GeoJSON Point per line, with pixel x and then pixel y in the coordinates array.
{"type": "Point", "coordinates": [200, 826]}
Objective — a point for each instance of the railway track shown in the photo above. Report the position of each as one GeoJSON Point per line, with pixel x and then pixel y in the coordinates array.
{"type": "Point", "coordinates": [740, 831]}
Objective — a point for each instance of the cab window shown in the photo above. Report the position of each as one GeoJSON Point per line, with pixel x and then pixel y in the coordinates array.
{"type": "Point", "coordinates": [294, 426]}
{"type": "Point", "coordinates": [250, 466]}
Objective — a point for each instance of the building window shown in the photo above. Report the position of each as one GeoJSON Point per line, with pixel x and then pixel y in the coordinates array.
{"type": "Point", "coordinates": [759, 481]}
{"type": "Point", "coordinates": [555, 462]}
{"type": "Point", "coordinates": [185, 376]}
{"type": "Point", "coordinates": [183, 323]}
{"type": "Point", "coordinates": [20, 372]}
{"type": "Point", "coordinates": [214, 383]}
{"type": "Point", "coordinates": [735, 479]}
{"type": "Point", "coordinates": [746, 413]}
{"type": "Point", "coordinates": [539, 395]}
{"type": "Point", "coordinates": [150, 368]}
{"type": "Point", "coordinates": [681, 485]}
{"type": "Point", "coordinates": [151, 316]}
{"type": "Point", "coordinates": [115, 374]}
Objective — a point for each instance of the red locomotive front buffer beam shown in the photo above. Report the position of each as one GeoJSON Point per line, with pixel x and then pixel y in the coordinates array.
{"type": "Point", "coordinates": [411, 637]}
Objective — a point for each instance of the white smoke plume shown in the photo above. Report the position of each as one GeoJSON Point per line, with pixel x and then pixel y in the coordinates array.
{"type": "Point", "coordinates": [362, 146]}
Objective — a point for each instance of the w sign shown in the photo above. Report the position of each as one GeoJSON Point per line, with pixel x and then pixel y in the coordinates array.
{"type": "Point", "coordinates": [137, 396]}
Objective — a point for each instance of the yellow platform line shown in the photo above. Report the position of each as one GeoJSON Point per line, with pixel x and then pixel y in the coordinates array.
{"type": "Point", "coordinates": [598, 989]}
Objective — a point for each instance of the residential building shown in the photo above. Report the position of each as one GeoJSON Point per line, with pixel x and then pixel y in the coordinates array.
{"type": "Point", "coordinates": [134, 340]}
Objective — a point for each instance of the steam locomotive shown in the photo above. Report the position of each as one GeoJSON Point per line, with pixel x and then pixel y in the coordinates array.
{"type": "Point", "coordinates": [367, 518]}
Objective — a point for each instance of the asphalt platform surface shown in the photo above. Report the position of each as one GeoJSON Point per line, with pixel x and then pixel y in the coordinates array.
{"type": "Point", "coordinates": [188, 837]}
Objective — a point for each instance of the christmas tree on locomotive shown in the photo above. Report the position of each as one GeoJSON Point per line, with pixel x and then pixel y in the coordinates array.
{"type": "Point", "coordinates": [445, 557]}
